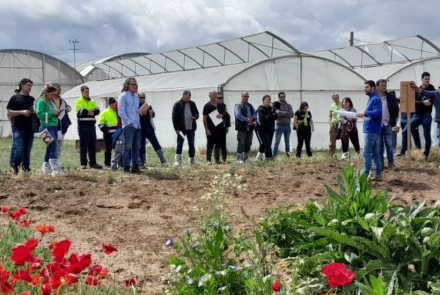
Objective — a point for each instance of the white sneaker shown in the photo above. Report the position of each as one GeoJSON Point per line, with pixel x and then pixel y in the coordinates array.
{"type": "Point", "coordinates": [259, 156]}
{"type": "Point", "coordinates": [345, 156]}
{"type": "Point", "coordinates": [193, 162]}
{"type": "Point", "coordinates": [45, 168]}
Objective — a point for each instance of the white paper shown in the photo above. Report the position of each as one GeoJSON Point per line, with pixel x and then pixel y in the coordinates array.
{"type": "Point", "coordinates": [181, 134]}
{"type": "Point", "coordinates": [214, 119]}
{"type": "Point", "coordinates": [347, 114]}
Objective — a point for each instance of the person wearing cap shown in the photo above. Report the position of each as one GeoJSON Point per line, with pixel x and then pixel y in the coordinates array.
{"type": "Point", "coordinates": [334, 123]}
{"type": "Point", "coordinates": [148, 131]}
{"type": "Point", "coordinates": [108, 124]}
{"type": "Point", "coordinates": [86, 110]}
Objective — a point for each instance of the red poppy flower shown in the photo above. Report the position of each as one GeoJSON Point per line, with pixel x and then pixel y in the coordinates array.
{"type": "Point", "coordinates": [25, 223]}
{"type": "Point", "coordinates": [46, 289]}
{"type": "Point", "coordinates": [78, 262]}
{"type": "Point", "coordinates": [6, 288]}
{"type": "Point", "coordinates": [108, 248]}
{"type": "Point", "coordinates": [22, 210]}
{"type": "Point", "coordinates": [22, 253]}
{"type": "Point", "coordinates": [60, 250]}
{"type": "Point", "coordinates": [5, 209]}
{"type": "Point", "coordinates": [98, 271]}
{"type": "Point", "coordinates": [71, 278]}
{"type": "Point", "coordinates": [276, 286]}
{"type": "Point", "coordinates": [43, 229]}
{"type": "Point", "coordinates": [55, 279]}
{"type": "Point", "coordinates": [337, 275]}
{"type": "Point", "coordinates": [25, 293]}
{"type": "Point", "coordinates": [35, 279]}
{"type": "Point", "coordinates": [22, 275]}
{"type": "Point", "coordinates": [15, 215]}
{"type": "Point", "coordinates": [91, 280]}
{"type": "Point", "coordinates": [130, 282]}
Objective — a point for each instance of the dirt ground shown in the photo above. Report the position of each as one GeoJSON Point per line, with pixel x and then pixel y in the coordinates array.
{"type": "Point", "coordinates": [138, 213]}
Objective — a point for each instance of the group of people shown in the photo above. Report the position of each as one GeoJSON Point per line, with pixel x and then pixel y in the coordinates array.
{"type": "Point", "coordinates": [127, 123]}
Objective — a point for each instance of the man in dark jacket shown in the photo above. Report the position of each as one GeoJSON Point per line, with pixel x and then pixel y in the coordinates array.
{"type": "Point", "coordinates": [422, 117]}
{"type": "Point", "coordinates": [225, 128]}
{"type": "Point", "coordinates": [390, 113]}
{"type": "Point", "coordinates": [214, 128]}
{"type": "Point", "coordinates": [184, 116]}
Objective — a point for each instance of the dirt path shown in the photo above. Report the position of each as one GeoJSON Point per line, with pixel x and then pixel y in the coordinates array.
{"type": "Point", "coordinates": [138, 213]}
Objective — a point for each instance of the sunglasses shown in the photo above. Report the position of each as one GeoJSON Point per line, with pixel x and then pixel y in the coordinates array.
{"type": "Point", "coordinates": [143, 97]}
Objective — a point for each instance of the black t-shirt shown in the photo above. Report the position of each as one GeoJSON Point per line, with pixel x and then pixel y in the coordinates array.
{"type": "Point", "coordinates": [20, 102]}
{"type": "Point", "coordinates": [209, 108]}
{"type": "Point", "coordinates": [301, 115]}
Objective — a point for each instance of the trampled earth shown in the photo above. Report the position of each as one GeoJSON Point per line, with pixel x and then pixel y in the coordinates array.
{"type": "Point", "coordinates": [137, 214]}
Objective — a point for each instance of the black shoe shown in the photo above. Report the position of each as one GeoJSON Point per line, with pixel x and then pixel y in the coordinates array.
{"type": "Point", "coordinates": [83, 167]}
{"type": "Point", "coordinates": [135, 170]}
{"type": "Point", "coordinates": [15, 170]}
{"type": "Point", "coordinates": [127, 170]}
{"type": "Point", "coordinates": [95, 166]}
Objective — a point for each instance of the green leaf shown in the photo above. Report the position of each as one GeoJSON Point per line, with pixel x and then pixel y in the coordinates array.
{"type": "Point", "coordinates": [365, 290]}
{"type": "Point", "coordinates": [377, 285]}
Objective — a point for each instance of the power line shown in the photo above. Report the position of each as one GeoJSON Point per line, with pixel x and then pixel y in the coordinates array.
{"type": "Point", "coordinates": [74, 42]}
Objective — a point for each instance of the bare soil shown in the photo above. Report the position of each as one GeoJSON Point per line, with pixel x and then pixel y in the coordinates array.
{"type": "Point", "coordinates": [138, 213]}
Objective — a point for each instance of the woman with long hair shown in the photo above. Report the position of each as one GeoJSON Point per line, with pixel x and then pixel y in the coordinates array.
{"type": "Point", "coordinates": [304, 126]}
{"type": "Point", "coordinates": [265, 129]}
{"type": "Point", "coordinates": [47, 113]}
{"type": "Point", "coordinates": [348, 129]}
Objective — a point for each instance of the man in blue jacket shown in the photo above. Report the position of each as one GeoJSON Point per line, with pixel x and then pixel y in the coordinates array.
{"type": "Point", "coordinates": [372, 131]}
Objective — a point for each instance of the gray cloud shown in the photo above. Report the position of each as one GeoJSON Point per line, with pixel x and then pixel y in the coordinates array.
{"type": "Point", "coordinates": [112, 27]}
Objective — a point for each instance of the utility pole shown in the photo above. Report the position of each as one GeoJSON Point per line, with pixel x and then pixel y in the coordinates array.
{"type": "Point", "coordinates": [74, 42]}
{"type": "Point", "coordinates": [351, 38]}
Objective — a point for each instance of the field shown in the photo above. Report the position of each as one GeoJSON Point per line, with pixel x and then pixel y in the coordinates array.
{"type": "Point", "coordinates": [138, 213]}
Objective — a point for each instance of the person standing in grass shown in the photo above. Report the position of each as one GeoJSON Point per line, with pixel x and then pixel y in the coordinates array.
{"type": "Point", "coordinates": [282, 128]}
{"type": "Point", "coordinates": [185, 114]}
{"type": "Point", "coordinates": [47, 112]}
{"type": "Point", "coordinates": [108, 124]}
{"type": "Point", "coordinates": [221, 146]}
{"type": "Point", "coordinates": [63, 119]}
{"type": "Point", "coordinates": [334, 123]}
{"type": "Point", "coordinates": [12, 154]}
{"type": "Point", "coordinates": [86, 110]}
{"type": "Point", "coordinates": [20, 107]}
{"type": "Point", "coordinates": [372, 131]}
{"type": "Point", "coordinates": [348, 128]}
{"type": "Point", "coordinates": [265, 128]}
{"type": "Point", "coordinates": [245, 117]}
{"type": "Point", "coordinates": [149, 132]}
{"type": "Point", "coordinates": [390, 113]}
{"type": "Point", "coordinates": [304, 126]}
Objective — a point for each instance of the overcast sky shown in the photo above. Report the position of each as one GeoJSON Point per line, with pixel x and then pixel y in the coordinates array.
{"type": "Point", "coordinates": [106, 27]}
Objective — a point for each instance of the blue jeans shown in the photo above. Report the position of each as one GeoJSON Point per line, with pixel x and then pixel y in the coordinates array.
{"type": "Point", "coordinates": [372, 152]}
{"type": "Point", "coordinates": [279, 131]}
{"type": "Point", "coordinates": [132, 143]}
{"type": "Point", "coordinates": [51, 149]}
{"type": "Point", "coordinates": [437, 133]}
{"type": "Point", "coordinates": [12, 155]}
{"type": "Point", "coordinates": [23, 145]}
{"type": "Point", "coordinates": [190, 134]}
{"type": "Point", "coordinates": [387, 140]}
{"type": "Point", "coordinates": [424, 120]}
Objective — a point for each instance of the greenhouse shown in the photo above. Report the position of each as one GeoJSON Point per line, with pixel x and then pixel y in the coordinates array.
{"type": "Point", "coordinates": [260, 64]}
{"type": "Point", "coordinates": [16, 64]}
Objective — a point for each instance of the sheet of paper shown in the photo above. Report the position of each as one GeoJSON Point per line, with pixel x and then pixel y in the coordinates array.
{"type": "Point", "coordinates": [214, 119]}
{"type": "Point", "coordinates": [181, 134]}
{"type": "Point", "coordinates": [346, 114]}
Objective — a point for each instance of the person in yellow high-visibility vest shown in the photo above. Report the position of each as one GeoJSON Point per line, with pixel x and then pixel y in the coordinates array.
{"type": "Point", "coordinates": [108, 123]}
{"type": "Point", "coordinates": [86, 110]}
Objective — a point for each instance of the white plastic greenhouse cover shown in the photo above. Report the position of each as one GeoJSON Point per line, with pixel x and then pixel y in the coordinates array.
{"type": "Point", "coordinates": [390, 52]}
{"type": "Point", "coordinates": [241, 50]}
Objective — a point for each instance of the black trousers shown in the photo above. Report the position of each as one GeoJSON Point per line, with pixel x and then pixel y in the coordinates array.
{"type": "Point", "coordinates": [265, 139]}
{"type": "Point", "coordinates": [354, 138]}
{"type": "Point", "coordinates": [108, 148]}
{"type": "Point", "coordinates": [304, 135]}
{"type": "Point", "coordinates": [87, 144]}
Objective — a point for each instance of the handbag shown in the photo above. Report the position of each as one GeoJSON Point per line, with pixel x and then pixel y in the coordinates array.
{"type": "Point", "coordinates": [45, 134]}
